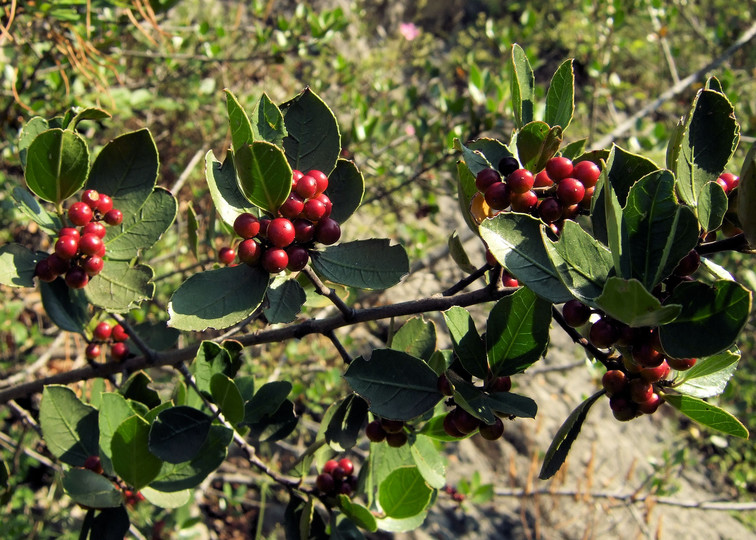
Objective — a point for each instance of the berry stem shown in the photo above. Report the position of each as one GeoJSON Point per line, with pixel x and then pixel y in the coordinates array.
{"type": "Point", "coordinates": [329, 293]}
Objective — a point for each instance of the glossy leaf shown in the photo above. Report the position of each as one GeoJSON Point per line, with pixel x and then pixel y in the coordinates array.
{"type": "Point", "coordinates": [537, 142]}
{"type": "Point", "coordinates": [178, 434]}
{"type": "Point", "coordinates": [238, 121]}
{"type": "Point", "coordinates": [227, 197]}
{"type": "Point", "coordinates": [416, 337]}
{"type": "Point", "coordinates": [266, 401]}
{"type": "Point", "coordinates": [114, 409]}
{"type": "Point", "coordinates": [404, 493]}
{"type": "Point", "coordinates": [483, 405]}
{"type": "Point", "coordinates": [515, 241]}
{"type": "Point", "coordinates": [493, 149]}
{"type": "Point", "coordinates": [26, 202]}
{"type": "Point", "coordinates": [396, 385]}
{"type": "Point", "coordinates": [465, 191]}
{"type": "Point", "coordinates": [708, 415]}
{"type": "Point", "coordinates": [90, 489]}
{"type": "Point", "coordinates": [346, 187]}
{"type": "Point", "coordinates": [34, 127]}
{"type": "Point", "coordinates": [365, 264]}
{"type": "Point", "coordinates": [346, 423]}
{"type": "Point", "coordinates": [264, 175]}
{"type": "Point", "coordinates": [267, 122]}
{"type": "Point", "coordinates": [132, 459]}
{"type": "Point", "coordinates": [628, 301]}
{"type": "Point", "coordinates": [120, 286]}
{"type": "Point", "coordinates": [217, 298]}
{"type": "Point", "coordinates": [57, 165]}
{"type": "Point", "coordinates": [709, 377]}
{"type": "Point", "coordinates": [560, 98]}
{"type": "Point", "coordinates": [17, 264]}
{"type": "Point", "coordinates": [522, 83]}
{"type": "Point", "coordinates": [466, 341]}
{"type": "Point", "coordinates": [137, 388]}
{"type": "Point", "coordinates": [285, 300]}
{"type": "Point", "coordinates": [313, 140]}
{"type": "Point", "coordinates": [568, 432]}
{"type": "Point", "coordinates": [227, 396]}
{"type": "Point", "coordinates": [88, 113]}
{"type": "Point", "coordinates": [69, 426]}
{"type": "Point", "coordinates": [68, 308]}
{"type": "Point", "coordinates": [475, 160]}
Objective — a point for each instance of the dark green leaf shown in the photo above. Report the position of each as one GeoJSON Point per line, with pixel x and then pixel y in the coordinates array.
{"type": "Point", "coordinates": [178, 433]}
{"type": "Point", "coordinates": [568, 432]}
{"type": "Point", "coordinates": [441, 360]}
{"type": "Point", "coordinates": [458, 253]}
{"type": "Point", "coordinates": [114, 409]}
{"type": "Point", "coordinates": [217, 298]}
{"type": "Point", "coordinates": [285, 300]}
{"type": "Point", "coordinates": [343, 528]}
{"type": "Point", "coordinates": [211, 359]}
{"type": "Point", "coordinates": [137, 388]}
{"type": "Point", "coordinates": [34, 127]}
{"type": "Point", "coordinates": [466, 189]}
{"type": "Point", "coordinates": [574, 150]}
{"type": "Point", "coordinates": [475, 160]}
{"type": "Point", "coordinates": [264, 175]}
{"type": "Point", "coordinates": [416, 337]}
{"type": "Point", "coordinates": [69, 426]}
{"type": "Point", "coordinates": [466, 341]}
{"type": "Point", "coordinates": [560, 98]}
{"type": "Point", "coordinates": [132, 459]}
{"type": "Point", "coordinates": [57, 165]}
{"type": "Point", "coordinates": [268, 122]}
{"type": "Point", "coordinates": [89, 113]}
{"type": "Point", "coordinates": [628, 301]}
{"type": "Point", "coordinates": [404, 493]}
{"type": "Point", "coordinates": [522, 86]}
{"type": "Point", "coordinates": [616, 227]}
{"type": "Point", "coordinates": [537, 143]}
{"type": "Point", "coordinates": [26, 202]}
{"type": "Point", "coordinates": [275, 426]}
{"type": "Point", "coordinates": [227, 396]}
{"type": "Point", "coordinates": [493, 150]}
{"type": "Point", "coordinates": [708, 415]}
{"type": "Point", "coordinates": [313, 140]}
{"type": "Point", "coordinates": [238, 121]}
{"type": "Point", "coordinates": [120, 286]}
{"type": "Point", "coordinates": [709, 377]}
{"type": "Point", "coordinates": [365, 264]}
{"type": "Point", "coordinates": [360, 515]}
{"type": "Point", "coordinates": [747, 196]}
{"type": "Point", "coordinates": [712, 206]}
{"type": "Point", "coordinates": [157, 335]}
{"type": "Point", "coordinates": [91, 489]}
{"type": "Point", "coordinates": [512, 404]}
{"type": "Point", "coordinates": [266, 401]}
{"type": "Point", "coordinates": [345, 424]}
{"type": "Point", "coordinates": [515, 241]}
{"type": "Point", "coordinates": [110, 524]}
{"type": "Point", "coordinates": [346, 187]}
{"type": "Point", "coordinates": [712, 317]}
{"type": "Point", "coordinates": [68, 308]}
{"type": "Point", "coordinates": [17, 265]}
{"type": "Point", "coordinates": [227, 197]}
{"type": "Point", "coordinates": [396, 385]}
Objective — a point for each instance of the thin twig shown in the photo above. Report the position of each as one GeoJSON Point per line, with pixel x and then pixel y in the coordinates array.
{"type": "Point", "coordinates": [339, 347]}
{"type": "Point", "coordinates": [467, 280]}
{"type": "Point", "coordinates": [138, 341]}
{"type": "Point", "coordinates": [329, 293]}
{"type": "Point", "coordinates": [187, 171]}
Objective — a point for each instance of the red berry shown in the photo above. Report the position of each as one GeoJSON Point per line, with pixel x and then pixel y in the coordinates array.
{"type": "Point", "coordinates": [326, 202]}
{"type": "Point", "coordinates": [640, 390]}
{"type": "Point", "coordinates": [292, 206]}
{"type": "Point", "coordinates": [497, 196]}
{"type": "Point", "coordinates": [66, 247]}
{"type": "Point", "coordinates": [69, 231]}
{"type": "Point", "coordinates": [80, 214]}
{"type": "Point", "coordinates": [298, 258]}
{"type": "Point", "coordinates": [105, 204]}
{"type": "Point", "coordinates": [327, 231]}
{"type": "Point", "coordinates": [295, 176]}
{"type": "Point", "coordinates": [92, 351]}
{"type": "Point", "coordinates": [113, 217]}
{"type": "Point", "coordinates": [491, 432]}
{"type": "Point", "coordinates": [304, 230]}
{"type": "Point", "coordinates": [614, 382]}
{"type": "Point", "coordinates": [119, 333]}
{"type": "Point", "coordinates": [570, 191]}
{"type": "Point", "coordinates": [306, 187]}
{"type": "Point", "coordinates": [550, 210]}
{"type": "Point", "coordinates": [524, 202]}
{"type": "Point", "coordinates": [500, 384]}
{"type": "Point", "coordinates": [90, 244]}
{"type": "Point", "coordinates": [94, 464]}
{"type": "Point", "coordinates": [645, 355]}
{"type": "Point", "coordinates": [542, 180]}
{"type": "Point", "coordinates": [58, 265]}
{"type": "Point", "coordinates": [325, 483]}
{"type": "Point", "coordinates": [274, 260]}
{"type": "Point", "coordinates": [571, 211]}
{"type": "Point", "coordinates": [587, 172]}
{"type": "Point", "coordinates": [654, 374]}
{"type": "Point", "coordinates": [622, 408]}
{"type": "Point", "coordinates": [246, 225]}
{"type": "Point", "coordinates": [464, 421]}
{"type": "Point", "coordinates": [490, 259]}
{"type": "Point", "coordinates": [558, 168]}
{"type": "Point", "coordinates": [314, 210]}
{"type": "Point", "coordinates": [249, 251]}
{"type": "Point", "coordinates": [603, 334]}
{"type": "Point", "coordinates": [91, 198]}
{"type": "Point", "coordinates": [322, 179]}
{"type": "Point", "coordinates": [347, 465]}
{"type": "Point", "coordinates": [226, 255]}
{"type": "Point", "coordinates": [94, 227]}
{"type": "Point", "coordinates": [520, 181]}
{"type": "Point", "coordinates": [281, 232]}
{"type": "Point", "coordinates": [651, 404]}
{"type": "Point", "coordinates": [586, 202]}
{"type": "Point", "coordinates": [76, 277]}
{"type": "Point", "coordinates": [375, 432]}
{"type": "Point", "coordinates": [396, 440]}
{"type": "Point", "coordinates": [102, 331]}
{"type": "Point", "coordinates": [508, 280]}
{"type": "Point", "coordinates": [330, 466]}
{"type": "Point", "coordinates": [485, 178]}
{"type": "Point", "coordinates": [449, 427]}
{"type": "Point", "coordinates": [681, 364]}
{"type": "Point", "coordinates": [44, 272]}
{"type": "Point", "coordinates": [731, 181]}
{"type": "Point", "coordinates": [119, 351]}
{"type": "Point", "coordinates": [93, 265]}
{"type": "Point", "coordinates": [575, 313]}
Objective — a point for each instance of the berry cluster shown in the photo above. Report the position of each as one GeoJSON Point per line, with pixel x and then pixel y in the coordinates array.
{"type": "Point", "coordinates": [78, 252]}
{"type": "Point", "coordinates": [553, 194]}
{"type": "Point", "coordinates": [104, 333]}
{"type": "Point", "coordinates": [283, 241]}
{"type": "Point", "coordinates": [337, 478]}
{"type": "Point", "coordinates": [391, 431]}
{"type": "Point", "coordinates": [454, 493]}
{"type": "Point", "coordinates": [459, 423]}
{"type": "Point", "coordinates": [94, 464]}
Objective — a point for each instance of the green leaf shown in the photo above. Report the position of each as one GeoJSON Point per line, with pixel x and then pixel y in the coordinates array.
{"type": "Point", "coordinates": [275, 426]}
{"type": "Point", "coordinates": [137, 387]}
{"type": "Point", "coordinates": [68, 308]}
{"type": "Point", "coordinates": [57, 165]}
{"type": "Point", "coordinates": [712, 318]}
{"type": "Point", "coordinates": [110, 524]}
{"type": "Point", "coordinates": [343, 528]}
{"type": "Point", "coordinates": [285, 300]}
{"type": "Point", "coordinates": [708, 415]}
{"type": "Point", "coordinates": [268, 122]}
{"type": "Point", "coordinates": [212, 359]}
{"type": "Point", "coordinates": [69, 426]}
{"type": "Point", "coordinates": [429, 461]}
{"type": "Point", "coordinates": [120, 286]}
{"type": "Point", "coordinates": [560, 98]}
{"type": "Point", "coordinates": [132, 459]}
{"type": "Point", "coordinates": [515, 241]}
{"type": "Point", "coordinates": [747, 196]}
{"type": "Point", "coordinates": [190, 474]}
{"type": "Point", "coordinates": [416, 337]}
{"type": "Point", "coordinates": [227, 197]}
{"type": "Point", "coordinates": [114, 409]}
{"type": "Point", "coordinates": [346, 423]}
{"type": "Point", "coordinates": [346, 187]}
{"type": "Point", "coordinates": [178, 433]}
{"type": "Point", "coordinates": [441, 360]}
{"type": "Point", "coordinates": [475, 160]}
{"type": "Point", "coordinates": [4, 475]}
{"type": "Point", "coordinates": [365, 264]}
{"type": "Point", "coordinates": [266, 401]}
{"type": "Point", "coordinates": [227, 396]}
{"type": "Point", "coordinates": [217, 298]}
{"type": "Point", "coordinates": [141, 230]}
{"type": "Point", "coordinates": [238, 121]}
{"type": "Point", "coordinates": [127, 170]}
{"type": "Point", "coordinates": [88, 113]}
{"type": "Point", "coordinates": [492, 149]}
{"type": "Point", "coordinates": [522, 86]}
{"type": "Point", "coordinates": [512, 404]}
{"type": "Point", "coordinates": [709, 377]}
{"type": "Point", "coordinates": [90, 489]}
{"type": "Point", "coordinates": [396, 385]}
{"type": "Point", "coordinates": [313, 140]}
{"type": "Point", "coordinates": [434, 428]}
{"type": "Point", "coordinates": [163, 499]}
{"type": "Point", "coordinates": [404, 493]}
{"type": "Point", "coordinates": [466, 341]}
{"type": "Point", "coordinates": [616, 227]}
{"type": "Point", "coordinates": [466, 189]}
{"type": "Point", "coordinates": [458, 253]}
{"type": "Point", "coordinates": [582, 262]}
{"type": "Point", "coordinates": [537, 143]}
{"type": "Point", "coordinates": [568, 432]}
{"type": "Point", "coordinates": [33, 128]}
{"type": "Point", "coordinates": [264, 175]}
{"type": "Point", "coordinates": [17, 264]}
{"type": "Point", "coordinates": [360, 515]}
{"type": "Point", "coordinates": [574, 150]}
{"type": "Point", "coordinates": [26, 202]}
{"type": "Point", "coordinates": [628, 301]}
{"type": "Point", "coordinates": [660, 232]}
{"type": "Point", "coordinates": [710, 137]}
{"type": "Point", "coordinates": [483, 405]}
{"type": "Point", "coordinates": [712, 206]}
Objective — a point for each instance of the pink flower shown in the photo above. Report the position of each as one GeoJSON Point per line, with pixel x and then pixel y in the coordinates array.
{"type": "Point", "coordinates": [409, 31]}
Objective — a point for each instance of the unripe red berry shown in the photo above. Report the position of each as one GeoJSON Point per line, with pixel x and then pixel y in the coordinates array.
{"type": "Point", "coordinates": [246, 225]}
{"type": "Point", "coordinates": [497, 196]}
{"type": "Point", "coordinates": [93, 265]}
{"type": "Point", "coordinates": [731, 181]}
{"type": "Point", "coordinates": [292, 206]}
{"type": "Point", "coordinates": [119, 351]}
{"type": "Point", "coordinates": [322, 179]}
{"type": "Point", "coordinates": [550, 210]}
{"type": "Point", "coordinates": [113, 217]}
{"type": "Point", "coordinates": [558, 168]}
{"type": "Point", "coordinates": [90, 244]}
{"type": "Point", "coordinates": [622, 408]}
{"type": "Point", "coordinates": [575, 313]}
{"type": "Point", "coordinates": [524, 202]}
{"type": "Point", "coordinates": [508, 280]}
{"type": "Point", "coordinates": [520, 181]}
{"type": "Point", "coordinates": [587, 172]}
{"type": "Point", "coordinates": [645, 355]}
{"type": "Point", "coordinates": [76, 277]}
{"type": "Point", "coordinates": [640, 390]}
{"type": "Point", "coordinates": [491, 432]}
{"type": "Point", "coordinates": [306, 187]}
{"type": "Point", "coordinates": [92, 351]}
{"type": "Point", "coordinates": [326, 202]}
{"type": "Point", "coordinates": [66, 247]}
{"type": "Point", "coordinates": [542, 180]}
{"type": "Point", "coordinates": [91, 198]}
{"type": "Point", "coordinates": [570, 191]}
{"type": "Point", "coordinates": [226, 255]}
{"type": "Point", "coordinates": [614, 382]}
{"type": "Point", "coordinates": [80, 214]}
{"type": "Point", "coordinates": [102, 331]}
{"type": "Point", "coordinates": [119, 333]}
{"type": "Point", "coordinates": [375, 432]}
{"type": "Point", "coordinates": [490, 259]}
{"type": "Point", "coordinates": [485, 178]}
{"type": "Point", "coordinates": [586, 202]}
{"type": "Point", "coordinates": [654, 374]}
{"type": "Point", "coordinates": [327, 231]}
{"type": "Point", "coordinates": [295, 176]}
{"type": "Point", "coordinates": [57, 265]}
{"type": "Point", "coordinates": [330, 466]}
{"type": "Point", "coordinates": [651, 404]}
{"type": "Point", "coordinates": [274, 260]}
{"type": "Point", "coordinates": [603, 334]}
{"type": "Point", "coordinates": [105, 204]}
{"type": "Point", "coordinates": [298, 258]}
{"type": "Point", "coordinates": [281, 232]}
